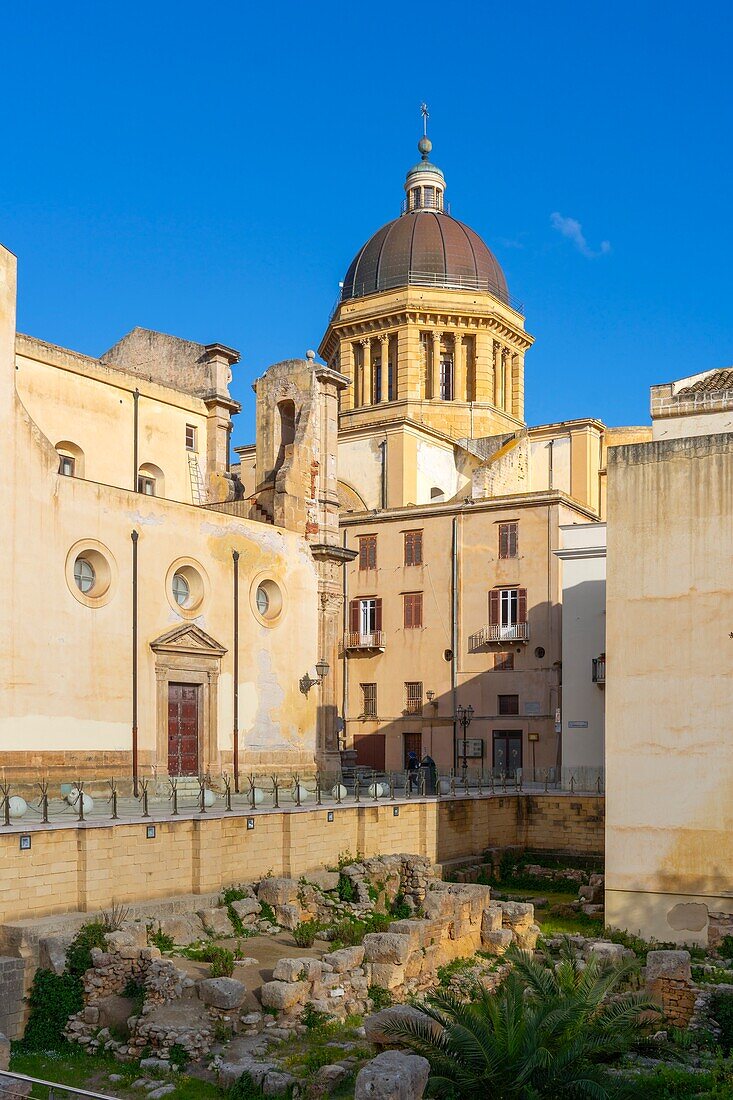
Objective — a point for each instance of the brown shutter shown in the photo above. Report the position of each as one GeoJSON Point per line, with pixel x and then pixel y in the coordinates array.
{"type": "Point", "coordinates": [494, 607]}
{"type": "Point", "coordinates": [362, 554]}
{"type": "Point", "coordinates": [407, 610]}
{"type": "Point", "coordinates": [522, 605]}
{"type": "Point", "coordinates": [373, 552]}
{"type": "Point", "coordinates": [417, 617]}
{"type": "Point", "coordinates": [354, 616]}
{"type": "Point", "coordinates": [378, 613]}
{"type": "Point", "coordinates": [417, 554]}
{"type": "Point", "coordinates": [408, 549]}
{"type": "Point", "coordinates": [503, 540]}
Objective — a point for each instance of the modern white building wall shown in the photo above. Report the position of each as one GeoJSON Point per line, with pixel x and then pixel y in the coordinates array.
{"type": "Point", "coordinates": [583, 556]}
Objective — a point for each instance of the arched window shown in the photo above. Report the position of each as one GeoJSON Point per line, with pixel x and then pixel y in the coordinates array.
{"type": "Point", "coordinates": [150, 480]}
{"type": "Point", "coordinates": [71, 459]}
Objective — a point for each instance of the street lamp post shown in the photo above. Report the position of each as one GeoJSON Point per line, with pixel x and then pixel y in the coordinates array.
{"type": "Point", "coordinates": [464, 714]}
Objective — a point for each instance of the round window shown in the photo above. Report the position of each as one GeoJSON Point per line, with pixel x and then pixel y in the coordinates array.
{"type": "Point", "coordinates": [84, 575]}
{"type": "Point", "coordinates": [267, 600]}
{"type": "Point", "coordinates": [181, 590]}
{"type": "Point", "coordinates": [263, 601]}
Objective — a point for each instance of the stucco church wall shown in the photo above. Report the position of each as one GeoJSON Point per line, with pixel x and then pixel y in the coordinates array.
{"type": "Point", "coordinates": [669, 757]}
{"type": "Point", "coordinates": [66, 667]}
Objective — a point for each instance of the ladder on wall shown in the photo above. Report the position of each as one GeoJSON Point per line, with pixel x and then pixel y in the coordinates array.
{"type": "Point", "coordinates": [197, 482]}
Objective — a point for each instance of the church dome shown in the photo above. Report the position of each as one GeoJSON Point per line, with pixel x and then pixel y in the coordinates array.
{"type": "Point", "coordinates": [424, 247]}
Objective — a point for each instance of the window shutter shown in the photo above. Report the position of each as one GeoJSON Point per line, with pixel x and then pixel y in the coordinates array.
{"type": "Point", "coordinates": [494, 607]}
{"type": "Point", "coordinates": [503, 540]}
{"type": "Point", "coordinates": [407, 610]}
{"type": "Point", "coordinates": [417, 555]}
{"type": "Point", "coordinates": [378, 613]}
{"type": "Point", "coordinates": [417, 617]}
{"type": "Point", "coordinates": [373, 552]}
{"type": "Point", "coordinates": [522, 605]}
{"type": "Point", "coordinates": [408, 549]}
{"type": "Point", "coordinates": [354, 616]}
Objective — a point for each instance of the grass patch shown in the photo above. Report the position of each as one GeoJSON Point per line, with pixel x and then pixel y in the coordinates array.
{"type": "Point", "coordinates": [380, 997]}
{"type": "Point", "coordinates": [305, 933]}
{"type": "Point", "coordinates": [455, 966]}
{"type": "Point", "coordinates": [162, 941]}
{"type": "Point", "coordinates": [267, 912]}
{"type": "Point", "coordinates": [72, 1066]}
{"type": "Point", "coordinates": [304, 1055]}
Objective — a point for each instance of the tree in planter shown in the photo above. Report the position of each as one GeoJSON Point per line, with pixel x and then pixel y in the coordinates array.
{"type": "Point", "coordinates": [543, 1033]}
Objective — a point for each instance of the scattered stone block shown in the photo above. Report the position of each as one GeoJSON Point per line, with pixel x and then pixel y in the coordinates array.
{"type": "Point", "coordinates": [247, 909]}
{"type": "Point", "coordinates": [224, 993]}
{"type": "Point", "coordinates": [283, 995]}
{"type": "Point", "coordinates": [386, 947]}
{"type": "Point", "coordinates": [277, 891]}
{"type": "Point", "coordinates": [323, 879]}
{"type": "Point", "coordinates": [393, 1075]}
{"type": "Point", "coordinates": [497, 943]}
{"type": "Point", "coordinates": [216, 921]}
{"type": "Point", "coordinates": [52, 953]}
{"type": "Point", "coordinates": [345, 960]}
{"type": "Point", "coordinates": [295, 970]}
{"type": "Point", "coordinates": [288, 915]}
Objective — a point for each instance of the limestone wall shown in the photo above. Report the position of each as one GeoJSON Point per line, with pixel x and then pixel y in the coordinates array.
{"type": "Point", "coordinates": [85, 868]}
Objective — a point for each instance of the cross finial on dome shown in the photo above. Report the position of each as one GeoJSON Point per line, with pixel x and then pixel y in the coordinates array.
{"type": "Point", "coordinates": [424, 144]}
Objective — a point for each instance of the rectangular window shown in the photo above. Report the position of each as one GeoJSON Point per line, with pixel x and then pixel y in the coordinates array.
{"type": "Point", "coordinates": [507, 606]}
{"type": "Point", "coordinates": [508, 704]}
{"type": "Point", "coordinates": [191, 434]}
{"type": "Point", "coordinates": [367, 552]}
{"type": "Point", "coordinates": [503, 662]}
{"type": "Point", "coordinates": [446, 378]}
{"type": "Point", "coordinates": [508, 540]}
{"type": "Point", "coordinates": [413, 547]}
{"type": "Point", "coordinates": [369, 700]}
{"type": "Point", "coordinates": [412, 608]}
{"type": "Point", "coordinates": [146, 485]}
{"type": "Point", "coordinates": [365, 616]}
{"type": "Point", "coordinates": [66, 466]}
{"type": "Point", "coordinates": [413, 697]}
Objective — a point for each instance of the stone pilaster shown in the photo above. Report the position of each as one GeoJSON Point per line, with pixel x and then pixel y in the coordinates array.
{"type": "Point", "coordinates": [384, 376]}
{"type": "Point", "coordinates": [435, 366]}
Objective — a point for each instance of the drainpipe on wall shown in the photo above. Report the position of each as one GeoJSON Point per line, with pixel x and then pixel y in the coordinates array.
{"type": "Point", "coordinates": [345, 627]}
{"type": "Point", "coordinates": [135, 421]}
{"type": "Point", "coordinates": [235, 729]}
{"type": "Point", "coordinates": [134, 536]}
{"type": "Point", "coordinates": [454, 636]}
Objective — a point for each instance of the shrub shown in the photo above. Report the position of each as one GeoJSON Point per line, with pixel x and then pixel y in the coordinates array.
{"type": "Point", "coordinates": [313, 1018]}
{"type": "Point", "coordinates": [399, 908]}
{"type": "Point", "coordinates": [346, 890]}
{"type": "Point", "coordinates": [721, 1010]}
{"type": "Point", "coordinates": [244, 1088]}
{"type": "Point", "coordinates": [350, 932]}
{"type": "Point", "coordinates": [136, 992]}
{"type": "Point", "coordinates": [305, 933]}
{"type": "Point", "coordinates": [379, 996]}
{"type": "Point", "coordinates": [114, 917]}
{"type": "Point", "coordinates": [267, 912]}
{"type": "Point", "coordinates": [222, 962]}
{"type": "Point", "coordinates": [53, 998]}
{"type": "Point", "coordinates": [79, 952]}
{"type": "Point", "coordinates": [161, 940]}
{"type": "Point", "coordinates": [179, 1056]}
{"type": "Point", "coordinates": [725, 947]}
{"type": "Point", "coordinates": [234, 893]}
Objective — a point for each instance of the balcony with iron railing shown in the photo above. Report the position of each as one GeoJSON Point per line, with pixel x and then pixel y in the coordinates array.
{"type": "Point", "coordinates": [599, 670]}
{"type": "Point", "coordinates": [375, 640]}
{"type": "Point", "coordinates": [496, 633]}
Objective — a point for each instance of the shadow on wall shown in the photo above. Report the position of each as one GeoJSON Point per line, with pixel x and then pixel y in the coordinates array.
{"type": "Point", "coordinates": [514, 699]}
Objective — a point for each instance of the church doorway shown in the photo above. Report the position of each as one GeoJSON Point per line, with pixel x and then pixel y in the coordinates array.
{"type": "Point", "coordinates": [183, 729]}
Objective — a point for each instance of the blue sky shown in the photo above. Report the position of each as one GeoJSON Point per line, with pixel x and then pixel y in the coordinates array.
{"type": "Point", "coordinates": [209, 171]}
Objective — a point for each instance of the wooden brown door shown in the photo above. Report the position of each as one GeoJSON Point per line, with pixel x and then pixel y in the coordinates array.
{"type": "Point", "coordinates": [370, 750]}
{"type": "Point", "coordinates": [183, 729]}
{"type": "Point", "coordinates": [411, 742]}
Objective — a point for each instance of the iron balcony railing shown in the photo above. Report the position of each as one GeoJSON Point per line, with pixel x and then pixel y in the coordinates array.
{"type": "Point", "coordinates": [497, 632]}
{"type": "Point", "coordinates": [599, 670]}
{"type": "Point", "coordinates": [356, 640]}
{"type": "Point", "coordinates": [430, 278]}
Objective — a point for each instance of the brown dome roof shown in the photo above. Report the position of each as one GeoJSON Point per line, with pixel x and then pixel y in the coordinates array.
{"type": "Point", "coordinates": [424, 248]}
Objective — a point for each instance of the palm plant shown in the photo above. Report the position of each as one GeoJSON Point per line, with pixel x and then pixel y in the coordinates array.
{"type": "Point", "coordinates": [544, 1033]}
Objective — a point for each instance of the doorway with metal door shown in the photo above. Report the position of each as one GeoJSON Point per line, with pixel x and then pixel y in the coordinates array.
{"type": "Point", "coordinates": [183, 729]}
{"type": "Point", "coordinates": [507, 752]}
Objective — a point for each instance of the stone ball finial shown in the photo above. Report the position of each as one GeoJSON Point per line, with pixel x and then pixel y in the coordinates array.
{"type": "Point", "coordinates": [424, 146]}
{"type": "Point", "coordinates": [310, 355]}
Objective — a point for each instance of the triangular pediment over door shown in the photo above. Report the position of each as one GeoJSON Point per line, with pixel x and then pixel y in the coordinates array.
{"type": "Point", "coordinates": [188, 638]}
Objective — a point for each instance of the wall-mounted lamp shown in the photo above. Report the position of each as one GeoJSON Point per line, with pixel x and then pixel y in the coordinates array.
{"type": "Point", "coordinates": [307, 682]}
{"type": "Point", "coordinates": [431, 698]}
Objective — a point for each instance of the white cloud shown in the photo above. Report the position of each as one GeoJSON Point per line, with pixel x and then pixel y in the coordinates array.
{"type": "Point", "coordinates": [573, 230]}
